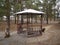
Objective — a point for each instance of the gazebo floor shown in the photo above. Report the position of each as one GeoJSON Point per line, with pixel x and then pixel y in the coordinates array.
{"type": "Point", "coordinates": [30, 33]}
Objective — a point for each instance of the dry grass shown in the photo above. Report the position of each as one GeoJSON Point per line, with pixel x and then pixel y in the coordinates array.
{"type": "Point", "coordinates": [13, 26]}
{"type": "Point", "coordinates": [3, 26]}
{"type": "Point", "coordinates": [56, 27]}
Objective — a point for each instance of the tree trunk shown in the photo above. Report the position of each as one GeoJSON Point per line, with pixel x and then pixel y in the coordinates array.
{"type": "Point", "coordinates": [15, 19]}
{"type": "Point", "coordinates": [54, 14]}
{"type": "Point", "coordinates": [47, 18]}
{"type": "Point", "coordinates": [8, 24]}
{"type": "Point", "coordinates": [7, 6]}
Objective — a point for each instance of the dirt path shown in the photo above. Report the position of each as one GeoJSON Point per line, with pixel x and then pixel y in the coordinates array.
{"type": "Point", "coordinates": [54, 36]}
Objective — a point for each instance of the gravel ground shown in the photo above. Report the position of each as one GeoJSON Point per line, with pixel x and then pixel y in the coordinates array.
{"type": "Point", "coordinates": [51, 36]}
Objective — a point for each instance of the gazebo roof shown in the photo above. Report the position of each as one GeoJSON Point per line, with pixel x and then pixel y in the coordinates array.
{"type": "Point", "coordinates": [30, 11]}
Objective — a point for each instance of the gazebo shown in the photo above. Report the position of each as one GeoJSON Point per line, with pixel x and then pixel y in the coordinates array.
{"type": "Point", "coordinates": [26, 23]}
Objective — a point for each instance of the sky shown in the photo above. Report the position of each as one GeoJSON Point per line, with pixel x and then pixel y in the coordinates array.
{"type": "Point", "coordinates": [41, 1]}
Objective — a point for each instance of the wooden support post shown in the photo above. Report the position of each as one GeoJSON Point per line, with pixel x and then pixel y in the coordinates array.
{"type": "Point", "coordinates": [41, 26]}
{"type": "Point", "coordinates": [17, 24]}
{"type": "Point", "coordinates": [41, 22]}
{"type": "Point", "coordinates": [27, 26]}
{"type": "Point", "coordinates": [17, 19]}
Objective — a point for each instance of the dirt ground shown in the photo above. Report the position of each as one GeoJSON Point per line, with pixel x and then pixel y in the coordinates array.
{"type": "Point", "coordinates": [51, 36]}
